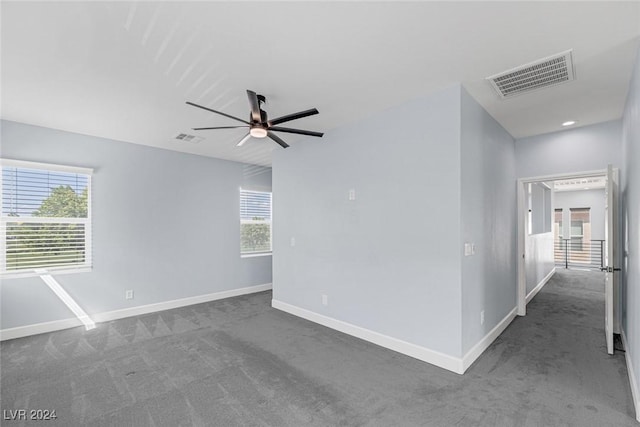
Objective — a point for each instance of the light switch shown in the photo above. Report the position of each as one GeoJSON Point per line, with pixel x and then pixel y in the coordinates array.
{"type": "Point", "coordinates": [293, 241]}
{"type": "Point", "coordinates": [352, 194]}
{"type": "Point", "coordinates": [468, 249]}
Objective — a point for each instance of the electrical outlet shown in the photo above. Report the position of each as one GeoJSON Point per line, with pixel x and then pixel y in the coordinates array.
{"type": "Point", "coordinates": [482, 317]}
{"type": "Point", "coordinates": [352, 194]}
{"type": "Point", "coordinates": [325, 300]}
{"type": "Point", "coordinates": [293, 241]}
{"type": "Point", "coordinates": [128, 294]}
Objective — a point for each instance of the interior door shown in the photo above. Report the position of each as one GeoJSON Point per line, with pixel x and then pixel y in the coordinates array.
{"type": "Point", "coordinates": [611, 275]}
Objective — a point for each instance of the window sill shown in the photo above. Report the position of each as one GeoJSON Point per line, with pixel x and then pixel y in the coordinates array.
{"type": "Point", "coordinates": [54, 272]}
{"type": "Point", "coordinates": [255, 255]}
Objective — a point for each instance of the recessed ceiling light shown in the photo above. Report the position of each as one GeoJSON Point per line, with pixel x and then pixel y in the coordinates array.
{"type": "Point", "coordinates": [569, 123]}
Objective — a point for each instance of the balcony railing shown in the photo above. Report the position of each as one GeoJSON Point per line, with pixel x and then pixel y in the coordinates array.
{"type": "Point", "coordinates": [579, 253]}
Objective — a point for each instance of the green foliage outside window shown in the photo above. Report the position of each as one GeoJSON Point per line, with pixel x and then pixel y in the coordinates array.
{"type": "Point", "coordinates": [255, 237]}
{"type": "Point", "coordinates": [49, 244]}
{"type": "Point", "coordinates": [64, 203]}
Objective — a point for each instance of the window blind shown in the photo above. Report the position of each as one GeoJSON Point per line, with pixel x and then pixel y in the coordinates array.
{"type": "Point", "coordinates": [45, 219]}
{"type": "Point", "coordinates": [255, 222]}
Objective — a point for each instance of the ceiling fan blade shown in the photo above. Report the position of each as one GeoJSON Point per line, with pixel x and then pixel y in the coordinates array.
{"type": "Point", "coordinates": [243, 140]}
{"type": "Point", "coordinates": [220, 127]}
{"type": "Point", "coordinates": [293, 116]}
{"type": "Point", "coordinates": [277, 139]}
{"type": "Point", "coordinates": [298, 131]}
{"type": "Point", "coordinates": [255, 106]}
{"type": "Point", "coordinates": [218, 112]}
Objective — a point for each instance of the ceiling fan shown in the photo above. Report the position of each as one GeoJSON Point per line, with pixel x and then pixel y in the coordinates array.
{"type": "Point", "coordinates": [259, 125]}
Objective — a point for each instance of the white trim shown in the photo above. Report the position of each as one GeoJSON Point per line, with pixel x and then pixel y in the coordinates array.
{"type": "Point", "coordinates": [168, 305]}
{"type": "Point", "coordinates": [544, 184]}
{"type": "Point", "coordinates": [40, 328]}
{"type": "Point", "coordinates": [484, 343]}
{"type": "Point", "coordinates": [66, 269]}
{"type": "Point", "coordinates": [442, 360]}
{"type": "Point", "coordinates": [635, 390]}
{"type": "Point", "coordinates": [250, 255]}
{"type": "Point", "coordinates": [48, 166]}
{"type": "Point", "coordinates": [569, 175]}
{"type": "Point", "coordinates": [521, 287]}
{"type": "Point", "coordinates": [540, 285]}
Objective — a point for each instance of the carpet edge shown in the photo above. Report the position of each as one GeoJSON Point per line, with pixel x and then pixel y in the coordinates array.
{"type": "Point", "coordinates": [57, 325]}
{"type": "Point", "coordinates": [445, 361]}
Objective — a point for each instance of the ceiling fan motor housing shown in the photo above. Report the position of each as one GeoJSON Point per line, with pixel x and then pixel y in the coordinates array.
{"type": "Point", "coordinates": [263, 114]}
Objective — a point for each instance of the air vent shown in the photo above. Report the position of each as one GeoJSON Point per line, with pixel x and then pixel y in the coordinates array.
{"type": "Point", "coordinates": [551, 71]}
{"type": "Point", "coordinates": [185, 137]}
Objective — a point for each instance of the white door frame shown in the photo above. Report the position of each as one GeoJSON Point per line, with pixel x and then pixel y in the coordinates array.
{"type": "Point", "coordinates": [522, 214]}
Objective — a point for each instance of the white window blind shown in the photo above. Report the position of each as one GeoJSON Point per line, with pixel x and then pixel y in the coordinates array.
{"type": "Point", "coordinates": [255, 222]}
{"type": "Point", "coordinates": [45, 218]}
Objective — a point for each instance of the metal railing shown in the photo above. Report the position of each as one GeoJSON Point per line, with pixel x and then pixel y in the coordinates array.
{"type": "Point", "coordinates": [579, 253]}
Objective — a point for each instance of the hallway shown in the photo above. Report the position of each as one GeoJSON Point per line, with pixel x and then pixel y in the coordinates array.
{"type": "Point", "coordinates": [560, 351]}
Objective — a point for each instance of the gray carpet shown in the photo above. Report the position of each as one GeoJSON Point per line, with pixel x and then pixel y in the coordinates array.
{"type": "Point", "coordinates": [238, 362]}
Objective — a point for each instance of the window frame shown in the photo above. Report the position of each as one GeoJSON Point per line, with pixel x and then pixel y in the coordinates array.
{"type": "Point", "coordinates": [579, 211]}
{"type": "Point", "coordinates": [87, 265]}
{"type": "Point", "coordinates": [577, 240]}
{"type": "Point", "coordinates": [252, 221]}
{"type": "Point", "coordinates": [559, 223]}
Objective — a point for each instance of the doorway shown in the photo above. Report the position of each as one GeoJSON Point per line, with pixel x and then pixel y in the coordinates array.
{"type": "Point", "coordinates": [551, 237]}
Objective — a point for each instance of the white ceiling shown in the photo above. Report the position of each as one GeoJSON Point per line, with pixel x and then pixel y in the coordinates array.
{"type": "Point", "coordinates": [124, 70]}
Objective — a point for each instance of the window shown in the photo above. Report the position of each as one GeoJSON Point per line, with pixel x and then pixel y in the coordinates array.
{"type": "Point", "coordinates": [255, 222]}
{"type": "Point", "coordinates": [46, 218]}
{"type": "Point", "coordinates": [580, 228]}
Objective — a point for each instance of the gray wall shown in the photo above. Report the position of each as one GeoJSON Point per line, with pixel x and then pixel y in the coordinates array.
{"type": "Point", "coordinates": [392, 260]}
{"type": "Point", "coordinates": [538, 261]}
{"type": "Point", "coordinates": [631, 223]}
{"type": "Point", "coordinates": [388, 261]}
{"type": "Point", "coordinates": [165, 224]}
{"type": "Point", "coordinates": [574, 150]}
{"type": "Point", "coordinates": [593, 199]}
{"type": "Point", "coordinates": [488, 195]}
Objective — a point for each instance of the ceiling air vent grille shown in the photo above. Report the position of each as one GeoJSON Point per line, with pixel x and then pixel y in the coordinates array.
{"type": "Point", "coordinates": [188, 138]}
{"type": "Point", "coordinates": [551, 71]}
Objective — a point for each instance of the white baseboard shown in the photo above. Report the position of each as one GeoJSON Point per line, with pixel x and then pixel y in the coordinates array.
{"type": "Point", "coordinates": [40, 328]}
{"type": "Point", "coordinates": [540, 285]}
{"type": "Point", "coordinates": [635, 390]}
{"type": "Point", "coordinates": [485, 342]}
{"type": "Point", "coordinates": [442, 360]}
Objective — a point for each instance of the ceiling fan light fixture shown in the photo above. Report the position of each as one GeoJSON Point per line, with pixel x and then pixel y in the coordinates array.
{"type": "Point", "coordinates": [258, 132]}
